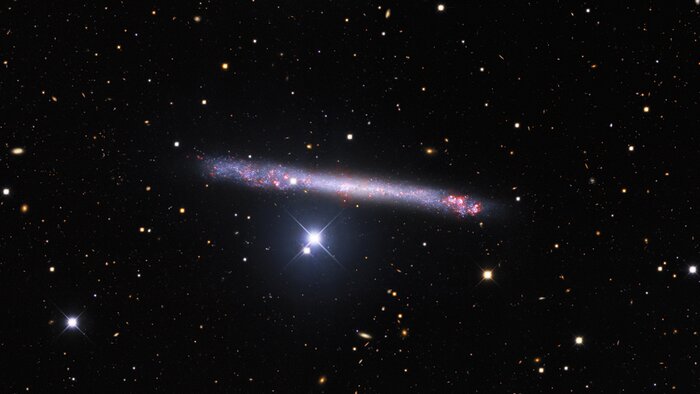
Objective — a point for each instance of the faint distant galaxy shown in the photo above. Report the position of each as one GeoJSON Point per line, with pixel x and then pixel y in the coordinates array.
{"type": "Point", "coordinates": [284, 178]}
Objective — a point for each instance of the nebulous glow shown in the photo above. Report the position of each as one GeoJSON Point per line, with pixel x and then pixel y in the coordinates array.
{"type": "Point", "coordinates": [283, 178]}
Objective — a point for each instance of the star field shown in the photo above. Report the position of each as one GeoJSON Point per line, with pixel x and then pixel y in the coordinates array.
{"type": "Point", "coordinates": [521, 215]}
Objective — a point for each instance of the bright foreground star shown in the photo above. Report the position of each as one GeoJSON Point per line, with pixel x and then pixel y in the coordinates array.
{"type": "Point", "coordinates": [314, 238]}
{"type": "Point", "coordinates": [283, 178]}
{"type": "Point", "coordinates": [72, 322]}
{"type": "Point", "coordinates": [693, 269]}
{"type": "Point", "coordinates": [488, 274]}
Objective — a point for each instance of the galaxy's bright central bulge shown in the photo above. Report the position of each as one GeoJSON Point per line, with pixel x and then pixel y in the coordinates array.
{"type": "Point", "coordinates": [281, 177]}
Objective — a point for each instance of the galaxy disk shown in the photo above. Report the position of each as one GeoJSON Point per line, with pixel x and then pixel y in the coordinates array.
{"type": "Point", "coordinates": [283, 178]}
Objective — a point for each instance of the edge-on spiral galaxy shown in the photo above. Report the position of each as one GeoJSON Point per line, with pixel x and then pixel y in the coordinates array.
{"type": "Point", "coordinates": [284, 178]}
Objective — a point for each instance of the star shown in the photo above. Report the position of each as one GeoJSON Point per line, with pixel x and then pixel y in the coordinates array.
{"type": "Point", "coordinates": [693, 269]}
{"type": "Point", "coordinates": [488, 275]}
{"type": "Point", "coordinates": [314, 238]}
{"type": "Point", "coordinates": [72, 323]}
{"type": "Point", "coordinates": [579, 340]}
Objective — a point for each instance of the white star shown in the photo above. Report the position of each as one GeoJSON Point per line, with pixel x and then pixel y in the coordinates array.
{"type": "Point", "coordinates": [72, 322]}
{"type": "Point", "coordinates": [693, 269]}
{"type": "Point", "coordinates": [314, 238]}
